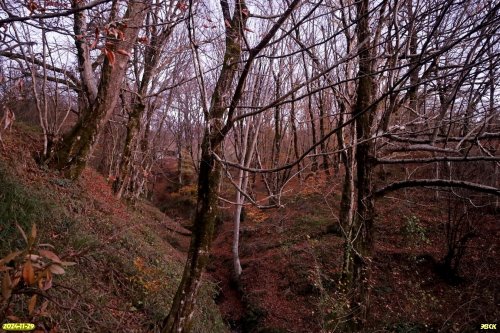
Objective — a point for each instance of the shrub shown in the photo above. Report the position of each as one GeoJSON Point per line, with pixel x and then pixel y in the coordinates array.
{"type": "Point", "coordinates": [414, 232]}
{"type": "Point", "coordinates": [29, 272]}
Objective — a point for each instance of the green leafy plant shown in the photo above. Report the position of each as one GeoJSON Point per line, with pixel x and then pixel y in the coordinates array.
{"type": "Point", "coordinates": [414, 232]}
{"type": "Point", "coordinates": [29, 272]}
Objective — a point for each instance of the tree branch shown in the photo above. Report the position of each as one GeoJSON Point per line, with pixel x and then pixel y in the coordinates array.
{"type": "Point", "coordinates": [68, 74]}
{"type": "Point", "coordinates": [438, 159]}
{"type": "Point", "coordinates": [52, 15]}
{"type": "Point", "coordinates": [436, 182]}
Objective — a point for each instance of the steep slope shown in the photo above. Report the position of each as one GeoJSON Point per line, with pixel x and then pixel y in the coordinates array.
{"type": "Point", "coordinates": [126, 271]}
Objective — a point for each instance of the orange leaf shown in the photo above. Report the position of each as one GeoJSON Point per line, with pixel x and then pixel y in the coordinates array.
{"type": "Point", "coordinates": [6, 287]}
{"type": "Point", "coordinates": [143, 40]}
{"type": "Point", "coordinates": [32, 6]}
{"type": "Point", "coordinates": [48, 282]}
{"type": "Point", "coordinates": [33, 234]}
{"type": "Point", "coordinates": [120, 51]}
{"type": "Point", "coordinates": [32, 304]}
{"type": "Point", "coordinates": [40, 282]}
{"type": "Point", "coordinates": [111, 57]}
{"type": "Point", "coordinates": [28, 273]}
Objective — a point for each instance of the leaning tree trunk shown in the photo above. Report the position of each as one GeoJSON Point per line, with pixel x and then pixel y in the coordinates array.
{"type": "Point", "coordinates": [179, 318]}
{"type": "Point", "coordinates": [182, 309]}
{"type": "Point", "coordinates": [74, 152]}
{"type": "Point", "coordinates": [152, 57]}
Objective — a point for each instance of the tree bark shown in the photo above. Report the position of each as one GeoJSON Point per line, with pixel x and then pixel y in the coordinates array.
{"type": "Point", "coordinates": [133, 128]}
{"type": "Point", "coordinates": [248, 149]}
{"type": "Point", "coordinates": [356, 271]}
{"type": "Point", "coordinates": [152, 58]}
{"type": "Point", "coordinates": [179, 318]}
{"type": "Point", "coordinates": [74, 152]}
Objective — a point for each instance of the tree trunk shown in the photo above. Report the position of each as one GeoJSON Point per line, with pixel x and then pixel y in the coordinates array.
{"type": "Point", "coordinates": [293, 120]}
{"type": "Point", "coordinates": [152, 58]}
{"type": "Point", "coordinates": [322, 107]}
{"type": "Point", "coordinates": [179, 318]}
{"type": "Point", "coordinates": [248, 149]}
{"type": "Point", "coordinates": [133, 127]}
{"type": "Point", "coordinates": [75, 150]}
{"type": "Point", "coordinates": [357, 270]}
{"type": "Point", "coordinates": [182, 309]}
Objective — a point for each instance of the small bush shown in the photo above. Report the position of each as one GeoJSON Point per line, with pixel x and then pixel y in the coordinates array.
{"type": "Point", "coordinates": [28, 273]}
{"type": "Point", "coordinates": [414, 232]}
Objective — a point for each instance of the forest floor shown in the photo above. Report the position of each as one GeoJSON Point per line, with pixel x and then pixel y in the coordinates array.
{"type": "Point", "coordinates": [130, 256]}
{"type": "Point", "coordinates": [291, 264]}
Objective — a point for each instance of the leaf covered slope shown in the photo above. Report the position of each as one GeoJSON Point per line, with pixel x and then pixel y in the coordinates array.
{"type": "Point", "coordinates": [126, 270]}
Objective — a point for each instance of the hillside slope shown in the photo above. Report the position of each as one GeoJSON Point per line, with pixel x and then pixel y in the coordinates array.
{"type": "Point", "coordinates": [126, 271]}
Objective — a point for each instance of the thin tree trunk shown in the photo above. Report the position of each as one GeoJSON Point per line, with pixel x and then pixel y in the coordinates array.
{"type": "Point", "coordinates": [293, 120]}
{"type": "Point", "coordinates": [248, 149]}
{"type": "Point", "coordinates": [322, 107]}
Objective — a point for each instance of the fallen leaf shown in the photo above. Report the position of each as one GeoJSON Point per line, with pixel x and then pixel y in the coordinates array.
{"type": "Point", "coordinates": [56, 269]}
{"type": "Point", "coordinates": [32, 304]}
{"type": "Point", "coordinates": [21, 229]}
{"type": "Point", "coordinates": [50, 255]}
{"type": "Point", "coordinates": [11, 256]}
{"type": "Point", "coordinates": [28, 273]}
{"type": "Point", "coordinates": [6, 287]}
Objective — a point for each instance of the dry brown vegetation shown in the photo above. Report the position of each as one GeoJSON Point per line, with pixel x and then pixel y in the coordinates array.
{"type": "Point", "coordinates": [332, 164]}
{"type": "Point", "coordinates": [127, 265]}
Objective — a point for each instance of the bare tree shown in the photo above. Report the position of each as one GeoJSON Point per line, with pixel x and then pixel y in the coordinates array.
{"type": "Point", "coordinates": [120, 36]}
{"type": "Point", "coordinates": [222, 106]}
